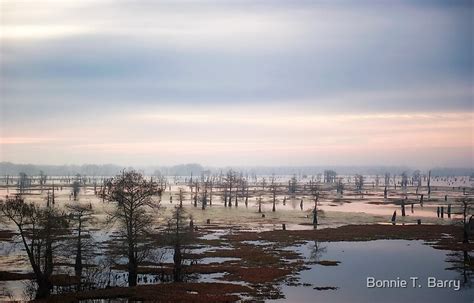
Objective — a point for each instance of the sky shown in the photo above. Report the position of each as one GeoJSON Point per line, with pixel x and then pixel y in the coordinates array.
{"type": "Point", "coordinates": [237, 82]}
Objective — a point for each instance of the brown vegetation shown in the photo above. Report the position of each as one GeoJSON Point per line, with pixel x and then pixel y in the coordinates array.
{"type": "Point", "coordinates": [435, 233]}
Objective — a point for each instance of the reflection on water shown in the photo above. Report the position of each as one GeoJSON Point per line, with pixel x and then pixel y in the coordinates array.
{"type": "Point", "coordinates": [382, 259]}
{"type": "Point", "coordinates": [327, 281]}
{"type": "Point", "coordinates": [12, 290]}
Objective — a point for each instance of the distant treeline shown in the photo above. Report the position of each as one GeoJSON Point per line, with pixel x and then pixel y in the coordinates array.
{"type": "Point", "coordinates": [352, 170]}
{"type": "Point", "coordinates": [8, 168]}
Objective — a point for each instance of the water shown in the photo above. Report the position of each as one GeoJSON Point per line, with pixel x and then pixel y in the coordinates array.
{"type": "Point", "coordinates": [12, 290]}
{"type": "Point", "coordinates": [217, 260]}
{"type": "Point", "coordinates": [382, 259]}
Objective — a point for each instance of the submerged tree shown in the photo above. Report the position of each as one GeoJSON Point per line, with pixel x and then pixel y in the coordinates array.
{"type": "Point", "coordinates": [76, 187]}
{"type": "Point", "coordinates": [429, 184]}
{"type": "Point", "coordinates": [23, 182]}
{"type": "Point", "coordinates": [178, 236]}
{"type": "Point", "coordinates": [315, 195]}
{"type": "Point", "coordinates": [204, 194]}
{"type": "Point", "coordinates": [41, 230]}
{"type": "Point", "coordinates": [387, 180]}
{"type": "Point", "coordinates": [230, 180]}
{"type": "Point", "coordinates": [416, 178]}
{"type": "Point", "coordinates": [330, 176]}
{"type": "Point", "coordinates": [273, 188]}
{"type": "Point", "coordinates": [42, 179]}
{"type": "Point", "coordinates": [292, 185]}
{"type": "Point", "coordinates": [359, 182]}
{"type": "Point", "coordinates": [404, 182]}
{"type": "Point", "coordinates": [181, 197]}
{"type": "Point", "coordinates": [133, 197]}
{"type": "Point", "coordinates": [466, 205]}
{"type": "Point", "coordinates": [340, 188]}
{"type": "Point", "coordinates": [80, 216]}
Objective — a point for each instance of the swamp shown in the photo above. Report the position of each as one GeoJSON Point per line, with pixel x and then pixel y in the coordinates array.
{"type": "Point", "coordinates": [236, 237]}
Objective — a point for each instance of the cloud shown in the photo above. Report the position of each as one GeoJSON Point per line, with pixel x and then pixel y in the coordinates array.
{"type": "Point", "coordinates": [221, 136]}
{"type": "Point", "coordinates": [23, 140]}
{"type": "Point", "coordinates": [181, 79]}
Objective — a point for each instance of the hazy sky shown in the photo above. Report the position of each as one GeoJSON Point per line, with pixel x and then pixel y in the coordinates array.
{"type": "Point", "coordinates": [237, 82]}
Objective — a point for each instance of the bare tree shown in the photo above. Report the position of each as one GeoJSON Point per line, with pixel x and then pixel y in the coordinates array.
{"type": "Point", "coordinates": [76, 187]}
{"type": "Point", "coordinates": [40, 230]}
{"type": "Point", "coordinates": [42, 179]}
{"type": "Point", "coordinates": [429, 184]}
{"type": "Point", "coordinates": [404, 181]}
{"type": "Point", "coordinates": [181, 197]}
{"type": "Point", "coordinates": [246, 185]}
{"type": "Point", "coordinates": [238, 181]}
{"type": "Point", "coordinates": [330, 176]}
{"type": "Point", "coordinates": [259, 201]}
{"type": "Point", "coordinates": [387, 180]}
{"type": "Point", "coordinates": [339, 188]}
{"type": "Point", "coordinates": [211, 184]}
{"type": "Point", "coordinates": [80, 215]}
{"type": "Point", "coordinates": [178, 236]}
{"type": "Point", "coordinates": [162, 182]}
{"type": "Point", "coordinates": [53, 196]}
{"type": "Point", "coordinates": [24, 182]}
{"type": "Point", "coordinates": [205, 195]}
{"type": "Point", "coordinates": [224, 196]}
{"type": "Point", "coordinates": [416, 179]}
{"type": "Point", "coordinates": [230, 182]}
{"type": "Point", "coordinates": [292, 185]}
{"type": "Point", "coordinates": [133, 197]}
{"type": "Point", "coordinates": [466, 204]}
{"type": "Point", "coordinates": [315, 195]}
{"type": "Point", "coordinates": [359, 182]}
{"type": "Point", "coordinates": [196, 186]}
{"type": "Point", "coordinates": [273, 188]}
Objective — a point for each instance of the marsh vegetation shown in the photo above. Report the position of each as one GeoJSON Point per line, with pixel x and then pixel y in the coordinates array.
{"type": "Point", "coordinates": [226, 236]}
